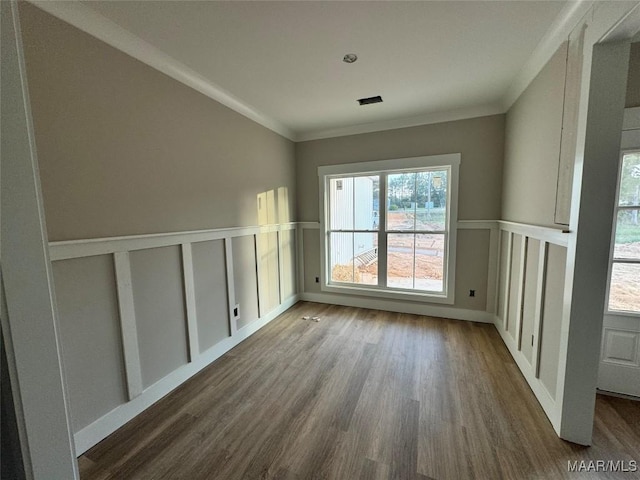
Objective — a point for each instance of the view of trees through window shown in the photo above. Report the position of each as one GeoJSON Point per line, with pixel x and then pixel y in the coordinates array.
{"type": "Point", "coordinates": [624, 291]}
{"type": "Point", "coordinates": [413, 232]}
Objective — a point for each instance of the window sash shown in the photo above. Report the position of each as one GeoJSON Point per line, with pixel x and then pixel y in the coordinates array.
{"type": "Point", "coordinates": [383, 233]}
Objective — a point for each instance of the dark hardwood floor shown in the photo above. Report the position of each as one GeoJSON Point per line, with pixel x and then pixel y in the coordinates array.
{"type": "Point", "coordinates": [362, 394]}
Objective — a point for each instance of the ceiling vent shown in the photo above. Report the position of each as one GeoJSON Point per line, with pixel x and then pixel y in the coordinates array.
{"type": "Point", "coordinates": [370, 100]}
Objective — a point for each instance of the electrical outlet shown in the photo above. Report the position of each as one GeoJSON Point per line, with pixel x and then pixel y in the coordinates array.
{"type": "Point", "coordinates": [317, 279]}
{"type": "Point", "coordinates": [472, 293]}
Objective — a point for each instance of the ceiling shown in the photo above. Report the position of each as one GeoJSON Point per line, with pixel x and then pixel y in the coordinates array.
{"type": "Point", "coordinates": [283, 60]}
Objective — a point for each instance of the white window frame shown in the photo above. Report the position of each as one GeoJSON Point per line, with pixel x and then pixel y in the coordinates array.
{"type": "Point", "coordinates": [450, 161]}
{"type": "Point", "coordinates": [630, 143]}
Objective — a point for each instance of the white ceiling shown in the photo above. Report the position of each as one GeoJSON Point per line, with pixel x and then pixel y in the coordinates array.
{"type": "Point", "coordinates": [283, 60]}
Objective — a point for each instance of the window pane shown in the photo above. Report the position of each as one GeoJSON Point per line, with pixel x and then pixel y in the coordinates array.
{"type": "Point", "coordinates": [429, 269]}
{"type": "Point", "coordinates": [431, 199]}
{"type": "Point", "coordinates": [627, 235]}
{"type": "Point", "coordinates": [624, 294]}
{"type": "Point", "coordinates": [630, 180]}
{"type": "Point", "coordinates": [341, 248]}
{"type": "Point", "coordinates": [341, 203]}
{"type": "Point", "coordinates": [366, 201]}
{"type": "Point", "coordinates": [401, 201]}
{"type": "Point", "coordinates": [400, 260]}
{"type": "Point", "coordinates": [366, 258]}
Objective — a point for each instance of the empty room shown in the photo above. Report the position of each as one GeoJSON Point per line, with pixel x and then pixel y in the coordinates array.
{"type": "Point", "coordinates": [320, 239]}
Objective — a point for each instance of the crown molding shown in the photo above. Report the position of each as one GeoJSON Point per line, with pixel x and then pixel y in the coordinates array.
{"type": "Point", "coordinates": [426, 119]}
{"type": "Point", "coordinates": [557, 33]}
{"type": "Point", "coordinates": [100, 27]}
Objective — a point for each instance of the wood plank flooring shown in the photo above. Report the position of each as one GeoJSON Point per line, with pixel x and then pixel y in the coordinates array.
{"type": "Point", "coordinates": [362, 394]}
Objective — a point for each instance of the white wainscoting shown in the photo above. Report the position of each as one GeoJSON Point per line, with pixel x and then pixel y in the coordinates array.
{"type": "Point", "coordinates": [275, 293]}
{"type": "Point", "coordinates": [530, 278]}
{"type": "Point", "coordinates": [413, 307]}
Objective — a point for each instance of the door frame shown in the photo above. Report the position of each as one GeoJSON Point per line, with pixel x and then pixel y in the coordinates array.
{"type": "Point", "coordinates": [29, 316]}
{"type": "Point", "coordinates": [611, 28]}
{"type": "Point", "coordinates": [630, 142]}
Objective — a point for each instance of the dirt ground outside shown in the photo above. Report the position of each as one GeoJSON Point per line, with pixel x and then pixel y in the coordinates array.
{"type": "Point", "coordinates": [624, 293]}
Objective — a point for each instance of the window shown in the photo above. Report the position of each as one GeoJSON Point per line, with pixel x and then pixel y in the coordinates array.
{"type": "Point", "coordinates": [624, 286]}
{"type": "Point", "coordinates": [388, 227]}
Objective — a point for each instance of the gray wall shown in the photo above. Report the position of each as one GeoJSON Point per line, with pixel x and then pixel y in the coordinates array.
{"type": "Point", "coordinates": [124, 149]}
{"type": "Point", "coordinates": [633, 80]}
{"type": "Point", "coordinates": [479, 140]}
{"type": "Point", "coordinates": [532, 148]}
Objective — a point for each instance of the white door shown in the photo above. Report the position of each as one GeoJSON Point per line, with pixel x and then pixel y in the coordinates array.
{"type": "Point", "coordinates": [620, 351]}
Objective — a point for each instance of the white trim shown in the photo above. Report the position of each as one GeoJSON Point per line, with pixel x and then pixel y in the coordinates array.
{"type": "Point", "coordinates": [630, 139]}
{"type": "Point", "coordinates": [395, 164]}
{"type": "Point", "coordinates": [495, 108]}
{"type": "Point", "coordinates": [97, 25]}
{"type": "Point", "coordinates": [492, 269]}
{"type": "Point", "coordinates": [541, 282]}
{"type": "Point", "coordinates": [553, 235]}
{"type": "Point", "coordinates": [557, 33]}
{"type": "Point", "coordinates": [259, 287]}
{"type": "Point", "coordinates": [461, 225]}
{"type": "Point", "coordinates": [300, 257]}
{"type": "Point", "coordinates": [451, 161]}
{"type": "Point", "coordinates": [400, 307]}
{"type": "Point", "coordinates": [100, 246]}
{"type": "Point", "coordinates": [522, 272]}
{"type": "Point", "coordinates": [231, 288]}
{"type": "Point", "coordinates": [631, 119]}
{"type": "Point", "coordinates": [477, 224]}
{"type": "Point", "coordinates": [507, 281]}
{"type": "Point", "coordinates": [30, 328]}
{"type": "Point", "coordinates": [128, 329]}
{"type": "Point", "coordinates": [109, 423]}
{"type": "Point", "coordinates": [600, 118]}
{"type": "Point", "coordinates": [385, 292]}
{"type": "Point", "coordinates": [280, 267]}
{"type": "Point", "coordinates": [190, 301]}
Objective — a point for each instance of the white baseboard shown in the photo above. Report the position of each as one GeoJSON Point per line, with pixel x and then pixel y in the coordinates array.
{"type": "Point", "coordinates": [109, 423]}
{"type": "Point", "coordinates": [404, 307]}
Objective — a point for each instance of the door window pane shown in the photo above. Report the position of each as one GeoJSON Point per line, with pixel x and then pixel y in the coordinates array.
{"type": "Point", "coordinates": [431, 198]}
{"type": "Point", "coordinates": [429, 263]}
{"type": "Point", "coordinates": [630, 180]}
{"type": "Point", "coordinates": [624, 292]}
{"type": "Point", "coordinates": [627, 243]}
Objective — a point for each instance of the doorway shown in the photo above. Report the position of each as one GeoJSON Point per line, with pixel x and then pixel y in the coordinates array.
{"type": "Point", "coordinates": [620, 351]}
